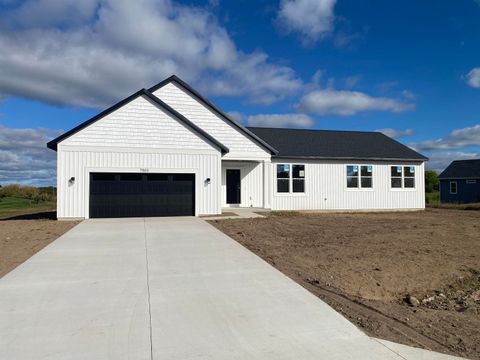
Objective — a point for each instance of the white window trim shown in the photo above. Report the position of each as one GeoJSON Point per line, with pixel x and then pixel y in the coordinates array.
{"type": "Point", "coordinates": [359, 177]}
{"type": "Point", "coordinates": [450, 187]}
{"type": "Point", "coordinates": [290, 181]}
{"type": "Point", "coordinates": [470, 181]}
{"type": "Point", "coordinates": [403, 188]}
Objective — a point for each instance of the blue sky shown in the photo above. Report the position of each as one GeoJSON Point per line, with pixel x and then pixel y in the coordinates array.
{"type": "Point", "coordinates": [409, 68]}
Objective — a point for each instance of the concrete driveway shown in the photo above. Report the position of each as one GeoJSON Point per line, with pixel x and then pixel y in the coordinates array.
{"type": "Point", "coordinates": [168, 288]}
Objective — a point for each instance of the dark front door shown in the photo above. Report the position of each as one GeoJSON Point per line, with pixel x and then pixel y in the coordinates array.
{"type": "Point", "coordinates": [233, 186]}
{"type": "Point", "coordinates": [131, 195]}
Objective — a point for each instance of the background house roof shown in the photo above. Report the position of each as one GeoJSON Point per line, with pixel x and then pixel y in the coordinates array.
{"type": "Point", "coordinates": [462, 169]}
{"type": "Point", "coordinates": [327, 144]}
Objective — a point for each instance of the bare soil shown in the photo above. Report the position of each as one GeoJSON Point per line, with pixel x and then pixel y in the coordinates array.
{"type": "Point", "coordinates": [410, 277]}
{"type": "Point", "coordinates": [24, 235]}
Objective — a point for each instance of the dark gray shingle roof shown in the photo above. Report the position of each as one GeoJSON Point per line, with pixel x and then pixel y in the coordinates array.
{"type": "Point", "coordinates": [462, 169]}
{"type": "Point", "coordinates": [329, 144]}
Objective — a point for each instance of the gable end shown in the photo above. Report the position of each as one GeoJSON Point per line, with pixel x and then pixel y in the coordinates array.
{"type": "Point", "coordinates": [53, 144]}
{"type": "Point", "coordinates": [209, 105]}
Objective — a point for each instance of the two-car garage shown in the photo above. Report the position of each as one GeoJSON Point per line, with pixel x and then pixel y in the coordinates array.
{"type": "Point", "coordinates": [115, 195]}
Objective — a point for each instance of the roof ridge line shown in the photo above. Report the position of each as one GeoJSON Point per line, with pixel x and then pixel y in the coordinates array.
{"type": "Point", "coordinates": [206, 102]}
{"type": "Point", "coordinates": [299, 129]}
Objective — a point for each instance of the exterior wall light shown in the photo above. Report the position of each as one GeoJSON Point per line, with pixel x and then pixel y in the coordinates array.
{"type": "Point", "coordinates": [207, 181]}
{"type": "Point", "coordinates": [71, 181]}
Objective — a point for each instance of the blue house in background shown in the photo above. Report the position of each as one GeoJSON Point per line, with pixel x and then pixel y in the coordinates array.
{"type": "Point", "coordinates": [460, 182]}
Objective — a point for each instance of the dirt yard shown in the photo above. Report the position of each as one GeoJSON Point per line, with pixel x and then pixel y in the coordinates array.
{"type": "Point", "coordinates": [412, 277]}
{"type": "Point", "coordinates": [24, 235]}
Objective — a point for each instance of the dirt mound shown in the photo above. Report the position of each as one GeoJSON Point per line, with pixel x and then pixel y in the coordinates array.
{"type": "Point", "coordinates": [461, 296]}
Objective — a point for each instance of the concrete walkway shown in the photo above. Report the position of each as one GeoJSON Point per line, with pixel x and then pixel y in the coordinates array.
{"type": "Point", "coordinates": [238, 213]}
{"type": "Point", "coordinates": [168, 288]}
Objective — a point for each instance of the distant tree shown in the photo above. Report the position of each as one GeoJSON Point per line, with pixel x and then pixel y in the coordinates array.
{"type": "Point", "coordinates": [431, 181]}
{"type": "Point", "coordinates": [34, 194]}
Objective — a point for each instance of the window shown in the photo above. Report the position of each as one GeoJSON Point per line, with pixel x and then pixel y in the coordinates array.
{"type": "Point", "coordinates": [290, 178]}
{"type": "Point", "coordinates": [283, 178]}
{"type": "Point", "coordinates": [471, 181]}
{"type": "Point", "coordinates": [402, 177]}
{"type": "Point", "coordinates": [453, 187]}
{"type": "Point", "coordinates": [366, 176]}
{"type": "Point", "coordinates": [103, 177]}
{"type": "Point", "coordinates": [298, 178]}
{"type": "Point", "coordinates": [360, 176]}
{"type": "Point", "coordinates": [396, 176]}
{"type": "Point", "coordinates": [409, 177]}
{"type": "Point", "coordinates": [352, 176]}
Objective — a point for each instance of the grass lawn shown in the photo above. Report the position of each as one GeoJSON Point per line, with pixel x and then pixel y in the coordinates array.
{"type": "Point", "coordinates": [432, 198]}
{"type": "Point", "coordinates": [11, 206]}
{"type": "Point", "coordinates": [433, 201]}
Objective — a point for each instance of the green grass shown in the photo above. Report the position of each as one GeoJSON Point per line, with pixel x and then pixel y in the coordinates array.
{"type": "Point", "coordinates": [473, 206]}
{"type": "Point", "coordinates": [11, 206]}
{"type": "Point", "coordinates": [283, 213]}
{"type": "Point", "coordinates": [432, 198]}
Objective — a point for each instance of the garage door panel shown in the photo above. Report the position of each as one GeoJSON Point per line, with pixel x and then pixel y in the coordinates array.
{"type": "Point", "coordinates": [132, 194]}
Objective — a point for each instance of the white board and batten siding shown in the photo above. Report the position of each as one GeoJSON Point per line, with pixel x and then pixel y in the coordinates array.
{"type": "Point", "coordinates": [139, 137]}
{"type": "Point", "coordinates": [251, 183]}
{"type": "Point", "coordinates": [326, 188]}
{"type": "Point", "coordinates": [240, 146]}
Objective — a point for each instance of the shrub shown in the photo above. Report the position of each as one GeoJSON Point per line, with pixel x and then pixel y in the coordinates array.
{"type": "Point", "coordinates": [27, 192]}
{"type": "Point", "coordinates": [431, 181]}
{"type": "Point", "coordinates": [432, 198]}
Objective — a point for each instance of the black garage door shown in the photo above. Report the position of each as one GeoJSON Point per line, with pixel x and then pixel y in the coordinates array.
{"type": "Point", "coordinates": [131, 195]}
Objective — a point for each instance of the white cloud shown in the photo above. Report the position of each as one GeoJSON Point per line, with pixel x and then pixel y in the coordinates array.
{"type": "Point", "coordinates": [53, 12]}
{"type": "Point", "coordinates": [312, 19]}
{"type": "Point", "coordinates": [460, 144]}
{"type": "Point", "coordinates": [281, 120]}
{"type": "Point", "coordinates": [236, 115]}
{"type": "Point", "coordinates": [24, 157]}
{"type": "Point", "coordinates": [317, 76]}
{"type": "Point", "coordinates": [352, 81]}
{"type": "Point", "coordinates": [438, 161]}
{"type": "Point", "coordinates": [346, 103]}
{"type": "Point", "coordinates": [457, 139]}
{"type": "Point", "coordinates": [96, 52]}
{"type": "Point", "coordinates": [473, 78]}
{"type": "Point", "coordinates": [396, 133]}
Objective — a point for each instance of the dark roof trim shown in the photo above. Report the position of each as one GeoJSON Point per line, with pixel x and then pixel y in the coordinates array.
{"type": "Point", "coordinates": [349, 158]}
{"type": "Point", "coordinates": [53, 143]}
{"type": "Point", "coordinates": [143, 92]}
{"type": "Point", "coordinates": [213, 108]}
{"type": "Point", "coordinates": [187, 122]}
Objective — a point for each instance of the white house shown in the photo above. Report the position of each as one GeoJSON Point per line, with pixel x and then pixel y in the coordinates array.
{"type": "Point", "coordinates": [169, 151]}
